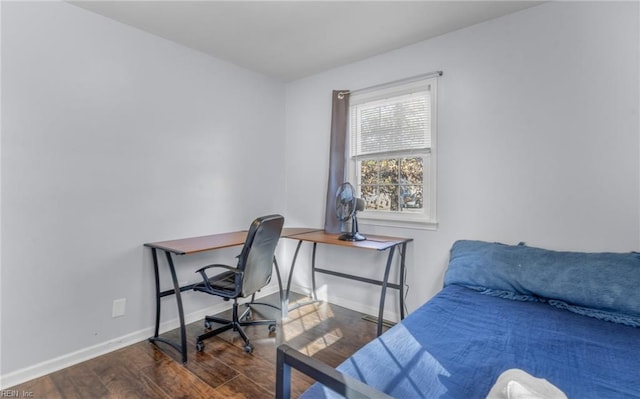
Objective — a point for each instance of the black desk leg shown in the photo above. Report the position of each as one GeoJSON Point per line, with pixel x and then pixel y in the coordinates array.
{"type": "Point", "coordinates": [275, 264]}
{"type": "Point", "coordinates": [313, 273]}
{"type": "Point", "coordinates": [285, 300]}
{"type": "Point", "coordinates": [383, 292]}
{"type": "Point", "coordinates": [176, 287]}
{"type": "Point", "coordinates": [314, 299]}
{"type": "Point", "coordinates": [182, 348]}
{"type": "Point", "coordinates": [157, 280]}
{"type": "Point", "coordinates": [403, 253]}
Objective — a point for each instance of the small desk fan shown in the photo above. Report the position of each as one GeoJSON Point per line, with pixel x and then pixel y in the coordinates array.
{"type": "Point", "coordinates": [347, 206]}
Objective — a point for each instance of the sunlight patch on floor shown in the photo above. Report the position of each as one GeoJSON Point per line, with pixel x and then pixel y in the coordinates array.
{"type": "Point", "coordinates": [322, 343]}
{"type": "Point", "coordinates": [306, 318]}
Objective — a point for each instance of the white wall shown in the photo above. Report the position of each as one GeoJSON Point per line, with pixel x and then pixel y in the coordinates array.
{"type": "Point", "coordinates": [538, 140]}
{"type": "Point", "coordinates": [112, 137]}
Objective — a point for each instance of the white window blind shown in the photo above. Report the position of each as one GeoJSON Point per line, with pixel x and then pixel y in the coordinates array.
{"type": "Point", "coordinates": [399, 123]}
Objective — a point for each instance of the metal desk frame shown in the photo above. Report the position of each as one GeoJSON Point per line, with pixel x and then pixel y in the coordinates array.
{"type": "Point", "coordinates": [373, 242]}
{"type": "Point", "coordinates": [188, 246]}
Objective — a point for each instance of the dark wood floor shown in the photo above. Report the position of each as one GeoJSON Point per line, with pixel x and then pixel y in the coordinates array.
{"type": "Point", "coordinates": [223, 370]}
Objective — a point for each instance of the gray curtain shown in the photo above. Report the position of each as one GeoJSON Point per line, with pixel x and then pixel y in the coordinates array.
{"type": "Point", "coordinates": [337, 157]}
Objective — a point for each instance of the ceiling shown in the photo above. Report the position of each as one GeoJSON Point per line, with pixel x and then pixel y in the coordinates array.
{"type": "Point", "coordinates": [289, 40]}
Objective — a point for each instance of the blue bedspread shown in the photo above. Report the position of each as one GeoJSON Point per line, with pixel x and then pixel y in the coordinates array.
{"type": "Point", "coordinates": [457, 344]}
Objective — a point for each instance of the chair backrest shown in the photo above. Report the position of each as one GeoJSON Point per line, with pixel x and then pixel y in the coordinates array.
{"type": "Point", "coordinates": [256, 258]}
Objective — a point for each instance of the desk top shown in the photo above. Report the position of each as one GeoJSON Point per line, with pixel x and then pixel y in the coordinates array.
{"type": "Point", "coordinates": [379, 243]}
{"type": "Point", "coordinates": [192, 245]}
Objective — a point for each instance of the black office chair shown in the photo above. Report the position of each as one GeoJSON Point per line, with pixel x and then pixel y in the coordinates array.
{"type": "Point", "coordinates": [252, 273]}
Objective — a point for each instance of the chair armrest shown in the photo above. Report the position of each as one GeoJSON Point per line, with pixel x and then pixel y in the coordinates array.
{"type": "Point", "coordinates": [340, 383]}
{"type": "Point", "coordinates": [205, 278]}
{"type": "Point", "coordinates": [230, 268]}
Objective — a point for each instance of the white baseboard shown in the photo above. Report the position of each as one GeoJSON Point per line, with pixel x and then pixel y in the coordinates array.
{"type": "Point", "coordinates": [49, 366]}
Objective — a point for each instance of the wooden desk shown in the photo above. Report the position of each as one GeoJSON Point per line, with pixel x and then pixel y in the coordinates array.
{"type": "Point", "coordinates": [373, 242]}
{"type": "Point", "coordinates": [188, 246]}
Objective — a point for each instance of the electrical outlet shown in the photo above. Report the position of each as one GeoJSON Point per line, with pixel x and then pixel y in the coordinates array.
{"type": "Point", "coordinates": [119, 306]}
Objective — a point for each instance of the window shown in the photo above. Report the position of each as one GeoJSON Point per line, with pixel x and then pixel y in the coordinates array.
{"type": "Point", "coordinates": [392, 150]}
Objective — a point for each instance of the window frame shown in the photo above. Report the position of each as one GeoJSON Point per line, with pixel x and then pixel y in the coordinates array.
{"type": "Point", "coordinates": [427, 218]}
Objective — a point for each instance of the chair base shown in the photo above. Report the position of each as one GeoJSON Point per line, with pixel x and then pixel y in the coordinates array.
{"type": "Point", "coordinates": [236, 324]}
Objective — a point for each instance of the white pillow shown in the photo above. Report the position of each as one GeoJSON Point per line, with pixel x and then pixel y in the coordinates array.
{"type": "Point", "coordinates": [518, 384]}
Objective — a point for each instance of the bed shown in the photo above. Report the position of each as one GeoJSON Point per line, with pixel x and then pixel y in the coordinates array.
{"type": "Point", "coordinates": [571, 319]}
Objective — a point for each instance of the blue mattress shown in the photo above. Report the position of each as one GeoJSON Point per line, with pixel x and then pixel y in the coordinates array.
{"type": "Point", "coordinates": [457, 344]}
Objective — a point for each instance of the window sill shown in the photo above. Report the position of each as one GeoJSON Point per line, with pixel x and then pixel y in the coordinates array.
{"type": "Point", "coordinates": [406, 224]}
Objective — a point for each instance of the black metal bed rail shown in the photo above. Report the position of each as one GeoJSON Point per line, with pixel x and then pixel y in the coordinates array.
{"type": "Point", "coordinates": [345, 385]}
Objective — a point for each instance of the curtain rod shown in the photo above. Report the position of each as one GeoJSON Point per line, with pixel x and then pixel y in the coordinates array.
{"type": "Point", "coordinates": [389, 84]}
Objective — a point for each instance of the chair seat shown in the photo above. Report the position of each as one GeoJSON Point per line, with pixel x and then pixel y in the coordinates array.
{"type": "Point", "coordinates": [225, 281]}
{"type": "Point", "coordinates": [221, 283]}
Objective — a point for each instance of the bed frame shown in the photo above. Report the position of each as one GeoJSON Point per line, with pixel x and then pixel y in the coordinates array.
{"type": "Point", "coordinates": [347, 386]}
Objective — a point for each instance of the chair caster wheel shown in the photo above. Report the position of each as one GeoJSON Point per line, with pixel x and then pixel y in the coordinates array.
{"type": "Point", "coordinates": [272, 328]}
{"type": "Point", "coordinates": [207, 325]}
{"type": "Point", "coordinates": [248, 348]}
{"type": "Point", "coordinates": [199, 346]}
